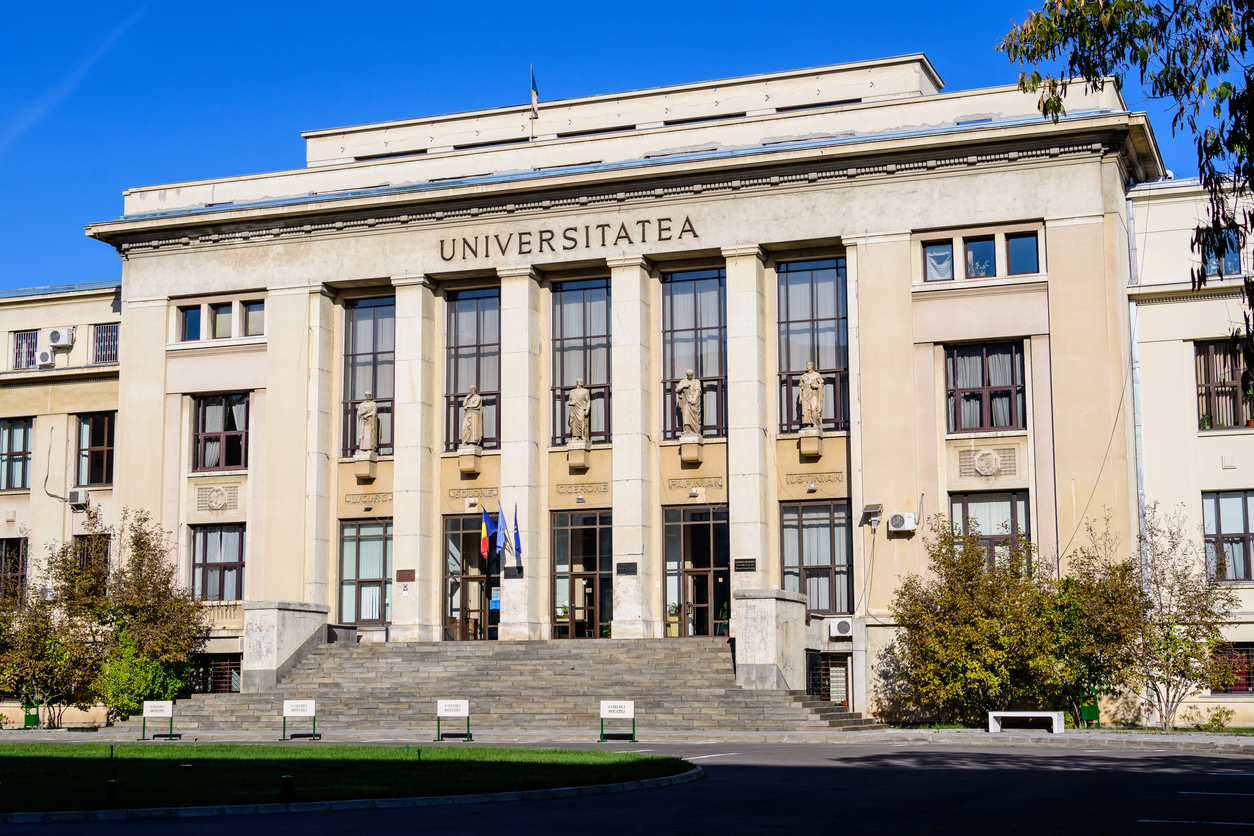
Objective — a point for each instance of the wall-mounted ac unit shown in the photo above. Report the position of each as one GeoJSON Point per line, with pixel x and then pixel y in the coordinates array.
{"type": "Point", "coordinates": [45, 358]}
{"type": "Point", "coordinates": [900, 521]}
{"type": "Point", "coordinates": [840, 628]}
{"type": "Point", "coordinates": [79, 500]}
{"type": "Point", "coordinates": [61, 337]}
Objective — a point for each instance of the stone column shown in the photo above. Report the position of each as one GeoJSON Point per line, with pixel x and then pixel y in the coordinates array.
{"type": "Point", "coordinates": [522, 442]}
{"type": "Point", "coordinates": [633, 424]}
{"type": "Point", "coordinates": [415, 528]}
{"type": "Point", "coordinates": [321, 448]}
{"type": "Point", "coordinates": [747, 455]}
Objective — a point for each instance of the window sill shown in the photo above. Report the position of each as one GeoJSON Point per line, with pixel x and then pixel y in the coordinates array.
{"type": "Point", "coordinates": [826, 434]}
{"type": "Point", "coordinates": [225, 342]}
{"type": "Point", "coordinates": [379, 458]}
{"type": "Point", "coordinates": [987, 434]}
{"type": "Point", "coordinates": [494, 451]}
{"type": "Point", "coordinates": [978, 283]}
{"type": "Point", "coordinates": [14, 491]}
{"type": "Point", "coordinates": [675, 442]}
{"type": "Point", "coordinates": [236, 472]}
{"type": "Point", "coordinates": [1227, 431]}
{"type": "Point", "coordinates": [94, 488]}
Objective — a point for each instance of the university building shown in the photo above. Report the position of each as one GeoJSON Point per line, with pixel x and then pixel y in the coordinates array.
{"type": "Point", "coordinates": [717, 351]}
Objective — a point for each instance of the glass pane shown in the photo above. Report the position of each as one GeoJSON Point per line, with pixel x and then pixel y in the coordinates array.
{"type": "Point", "coordinates": [816, 536]}
{"type": "Point", "coordinates": [1209, 523]}
{"type": "Point", "coordinates": [490, 320]}
{"type": "Point", "coordinates": [682, 308]}
{"type": "Point", "coordinates": [989, 513]}
{"type": "Point", "coordinates": [819, 591]}
{"type": "Point", "coordinates": [371, 599]}
{"type": "Point", "coordinates": [348, 559]}
{"type": "Point", "coordinates": [598, 305]}
{"type": "Point", "coordinates": [370, 557]}
{"type": "Point", "coordinates": [221, 321]}
{"type": "Point", "coordinates": [363, 330]}
{"type": "Point", "coordinates": [214, 416]}
{"type": "Point", "coordinates": [981, 258]}
{"type": "Point", "coordinates": [255, 321]}
{"type": "Point", "coordinates": [1022, 252]}
{"type": "Point", "coordinates": [799, 297]}
{"type": "Point", "coordinates": [1231, 513]}
{"type": "Point", "coordinates": [385, 328]}
{"type": "Point", "coordinates": [191, 324]}
{"type": "Point", "coordinates": [234, 456]}
{"type": "Point", "coordinates": [348, 602]}
{"type": "Point", "coordinates": [939, 260]}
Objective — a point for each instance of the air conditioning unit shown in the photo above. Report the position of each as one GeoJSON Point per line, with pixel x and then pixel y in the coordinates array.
{"type": "Point", "coordinates": [61, 337]}
{"type": "Point", "coordinates": [79, 500]}
{"type": "Point", "coordinates": [45, 358]}
{"type": "Point", "coordinates": [840, 628]}
{"type": "Point", "coordinates": [900, 521]}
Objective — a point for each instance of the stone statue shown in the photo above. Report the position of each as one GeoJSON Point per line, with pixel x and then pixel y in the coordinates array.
{"type": "Point", "coordinates": [688, 393]}
{"type": "Point", "coordinates": [810, 394]}
{"type": "Point", "coordinates": [367, 425]}
{"type": "Point", "coordinates": [472, 420]}
{"type": "Point", "coordinates": [578, 404]}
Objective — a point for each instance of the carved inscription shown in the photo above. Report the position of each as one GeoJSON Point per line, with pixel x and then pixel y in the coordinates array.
{"type": "Point", "coordinates": [467, 493]}
{"type": "Point", "coordinates": [581, 237]}
{"type": "Point", "coordinates": [702, 482]}
{"type": "Point", "coordinates": [587, 487]}
{"type": "Point", "coordinates": [367, 498]}
{"type": "Point", "coordinates": [807, 478]}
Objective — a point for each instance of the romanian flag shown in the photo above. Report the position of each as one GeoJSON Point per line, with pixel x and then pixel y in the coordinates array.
{"type": "Point", "coordinates": [535, 93]}
{"type": "Point", "coordinates": [486, 529]}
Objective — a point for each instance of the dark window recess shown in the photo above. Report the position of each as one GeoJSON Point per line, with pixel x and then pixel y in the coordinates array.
{"type": "Point", "coordinates": [12, 568]}
{"type": "Point", "coordinates": [1021, 251]}
{"type": "Point", "coordinates": [472, 582]}
{"type": "Point", "coordinates": [15, 446]}
{"type": "Point", "coordinates": [105, 347]}
{"type": "Point", "coordinates": [694, 120]}
{"type": "Point", "coordinates": [218, 562]}
{"type": "Point", "coordinates": [189, 323]}
{"type": "Point", "coordinates": [581, 351]}
{"type": "Point", "coordinates": [474, 359]}
{"type": "Point", "coordinates": [827, 677]}
{"type": "Point", "coordinates": [215, 673]}
{"type": "Point", "coordinates": [366, 572]}
{"type": "Point", "coordinates": [369, 367]}
{"type": "Point", "coordinates": [817, 105]}
{"type": "Point", "coordinates": [95, 449]}
{"type": "Point", "coordinates": [816, 546]}
{"type": "Point", "coordinates": [583, 576]}
{"type": "Point", "coordinates": [24, 345]}
{"type": "Point", "coordinates": [1226, 527]}
{"type": "Point", "coordinates": [1241, 659]}
{"type": "Point", "coordinates": [694, 336]}
{"type": "Point", "coordinates": [981, 254]}
{"type": "Point", "coordinates": [221, 440]}
{"type": "Point", "coordinates": [1221, 403]}
{"type": "Point", "coordinates": [985, 390]}
{"type": "Point", "coordinates": [813, 327]}
{"type": "Point", "coordinates": [1227, 263]}
{"type": "Point", "coordinates": [998, 517]}
{"type": "Point", "coordinates": [698, 576]}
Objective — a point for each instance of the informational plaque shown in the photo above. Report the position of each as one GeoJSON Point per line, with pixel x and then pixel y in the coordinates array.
{"type": "Point", "coordinates": [618, 710]}
{"type": "Point", "coordinates": [746, 564]}
{"type": "Point", "coordinates": [298, 708]}
{"type": "Point", "coordinates": [452, 708]}
{"type": "Point", "coordinates": [159, 709]}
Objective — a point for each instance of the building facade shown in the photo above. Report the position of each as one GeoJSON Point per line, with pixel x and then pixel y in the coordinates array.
{"type": "Point", "coordinates": [716, 353]}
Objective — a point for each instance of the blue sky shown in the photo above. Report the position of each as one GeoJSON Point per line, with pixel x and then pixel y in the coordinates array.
{"type": "Point", "coordinates": [99, 97]}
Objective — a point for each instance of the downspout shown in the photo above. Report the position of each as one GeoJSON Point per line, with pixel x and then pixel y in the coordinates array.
{"type": "Point", "coordinates": [1133, 280]}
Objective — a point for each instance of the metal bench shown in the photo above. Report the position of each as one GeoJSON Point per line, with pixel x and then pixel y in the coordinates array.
{"type": "Point", "coordinates": [995, 717]}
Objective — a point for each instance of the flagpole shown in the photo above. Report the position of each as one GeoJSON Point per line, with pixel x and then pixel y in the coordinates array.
{"type": "Point", "coordinates": [532, 118]}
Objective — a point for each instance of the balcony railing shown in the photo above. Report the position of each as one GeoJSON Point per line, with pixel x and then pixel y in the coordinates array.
{"type": "Point", "coordinates": [225, 615]}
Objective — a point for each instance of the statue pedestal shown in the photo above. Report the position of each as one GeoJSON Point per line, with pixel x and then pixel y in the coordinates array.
{"type": "Point", "coordinates": [468, 458]}
{"type": "Point", "coordinates": [577, 453]}
{"type": "Point", "coordinates": [365, 463]}
{"type": "Point", "coordinates": [811, 443]}
{"type": "Point", "coordinates": [691, 448]}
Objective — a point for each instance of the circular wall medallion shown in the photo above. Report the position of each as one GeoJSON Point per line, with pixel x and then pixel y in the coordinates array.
{"type": "Point", "coordinates": [987, 462]}
{"type": "Point", "coordinates": [217, 499]}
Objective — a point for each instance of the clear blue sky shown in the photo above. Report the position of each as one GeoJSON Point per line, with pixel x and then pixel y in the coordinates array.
{"type": "Point", "coordinates": [98, 97]}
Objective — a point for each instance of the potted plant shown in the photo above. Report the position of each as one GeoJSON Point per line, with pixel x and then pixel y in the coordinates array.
{"type": "Point", "coordinates": [1204, 422]}
{"type": "Point", "coordinates": [1247, 396]}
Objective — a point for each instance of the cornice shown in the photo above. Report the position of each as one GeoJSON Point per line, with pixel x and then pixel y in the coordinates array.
{"type": "Point", "coordinates": [53, 377]}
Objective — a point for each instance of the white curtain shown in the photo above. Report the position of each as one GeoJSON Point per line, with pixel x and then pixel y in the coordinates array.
{"type": "Point", "coordinates": [816, 536]}
{"type": "Point", "coordinates": [371, 598]}
{"type": "Point", "coordinates": [792, 539]}
{"type": "Point", "coordinates": [239, 412]}
{"type": "Point", "coordinates": [710, 302]}
{"type": "Point", "coordinates": [819, 591]}
{"type": "Point", "coordinates": [940, 262]}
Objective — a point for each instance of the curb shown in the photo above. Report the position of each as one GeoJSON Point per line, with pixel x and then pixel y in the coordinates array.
{"type": "Point", "coordinates": [693, 774]}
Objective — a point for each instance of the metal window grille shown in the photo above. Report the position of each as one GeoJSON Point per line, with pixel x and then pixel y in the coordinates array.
{"type": "Point", "coordinates": [694, 336]}
{"type": "Point", "coordinates": [24, 345]}
{"type": "Point", "coordinates": [474, 359]}
{"type": "Point", "coordinates": [827, 677]}
{"type": "Point", "coordinates": [813, 327]}
{"type": "Point", "coordinates": [581, 350]}
{"type": "Point", "coordinates": [1220, 401]}
{"type": "Point", "coordinates": [105, 347]}
{"type": "Point", "coordinates": [369, 366]}
{"type": "Point", "coordinates": [216, 673]}
{"type": "Point", "coordinates": [1241, 658]}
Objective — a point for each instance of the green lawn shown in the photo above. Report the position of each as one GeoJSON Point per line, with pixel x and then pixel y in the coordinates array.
{"type": "Point", "coordinates": [71, 776]}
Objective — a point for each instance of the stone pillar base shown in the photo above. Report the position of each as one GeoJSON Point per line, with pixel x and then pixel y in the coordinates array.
{"type": "Point", "coordinates": [365, 464]}
{"type": "Point", "coordinates": [811, 443]}
{"type": "Point", "coordinates": [691, 449]}
{"type": "Point", "coordinates": [468, 458]}
{"type": "Point", "coordinates": [277, 635]}
{"type": "Point", "coordinates": [770, 628]}
{"type": "Point", "coordinates": [577, 454]}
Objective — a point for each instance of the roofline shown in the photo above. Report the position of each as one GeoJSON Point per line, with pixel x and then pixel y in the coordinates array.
{"type": "Point", "coordinates": [85, 288]}
{"type": "Point", "coordinates": [638, 93]}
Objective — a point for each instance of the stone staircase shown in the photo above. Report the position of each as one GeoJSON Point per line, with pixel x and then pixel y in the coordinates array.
{"type": "Point", "coordinates": [679, 685]}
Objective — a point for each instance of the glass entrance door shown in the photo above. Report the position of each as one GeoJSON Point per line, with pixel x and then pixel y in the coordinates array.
{"type": "Point", "coordinates": [472, 583]}
{"type": "Point", "coordinates": [698, 578]}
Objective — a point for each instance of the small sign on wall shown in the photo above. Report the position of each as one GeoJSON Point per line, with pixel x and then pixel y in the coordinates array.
{"type": "Point", "coordinates": [748, 564]}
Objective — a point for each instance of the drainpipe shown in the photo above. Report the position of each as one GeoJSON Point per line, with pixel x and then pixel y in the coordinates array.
{"type": "Point", "coordinates": [1133, 280]}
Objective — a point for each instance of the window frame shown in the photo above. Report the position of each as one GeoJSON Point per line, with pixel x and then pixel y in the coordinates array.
{"type": "Point", "coordinates": [216, 312]}
{"type": "Point", "coordinates": [105, 342]}
{"type": "Point", "coordinates": [25, 345]}
{"type": "Point", "coordinates": [938, 242]}
{"type": "Point", "coordinates": [14, 565]}
{"type": "Point", "coordinates": [452, 381]}
{"type": "Point", "coordinates": [601, 576]}
{"type": "Point", "coordinates": [85, 454]}
{"type": "Point", "coordinates": [466, 527]}
{"type": "Point", "coordinates": [832, 570]}
{"type": "Point", "coordinates": [955, 393]}
{"type": "Point", "coordinates": [8, 454]}
{"type": "Point", "coordinates": [967, 261]}
{"type": "Point", "coordinates": [201, 569]}
{"type": "Point", "coordinates": [184, 314]}
{"type": "Point", "coordinates": [599, 391]}
{"type": "Point", "coordinates": [200, 436]}
{"type": "Point", "coordinates": [1036, 248]}
{"type": "Point", "coordinates": [246, 309]}
{"type": "Point", "coordinates": [711, 384]}
{"type": "Point", "coordinates": [1217, 265]}
{"type": "Point", "coordinates": [680, 521]}
{"type": "Point", "coordinates": [386, 440]}
{"type": "Point", "coordinates": [1245, 536]}
{"type": "Point", "coordinates": [1210, 389]}
{"type": "Point", "coordinates": [791, 370]}
{"type": "Point", "coordinates": [991, 541]}
{"type": "Point", "coordinates": [384, 582]}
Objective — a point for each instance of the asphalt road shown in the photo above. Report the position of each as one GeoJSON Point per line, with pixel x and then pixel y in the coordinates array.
{"type": "Point", "coordinates": [855, 789]}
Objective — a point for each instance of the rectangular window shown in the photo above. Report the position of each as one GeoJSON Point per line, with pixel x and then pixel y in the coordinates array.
{"type": "Point", "coordinates": [694, 338]}
{"type": "Point", "coordinates": [581, 351]}
{"type": "Point", "coordinates": [985, 388]}
{"type": "Point", "coordinates": [997, 517]}
{"type": "Point", "coordinates": [93, 553]}
{"type": "Point", "coordinates": [369, 367]}
{"type": "Point", "coordinates": [24, 345]}
{"type": "Point", "coordinates": [189, 323]}
{"type": "Point", "coordinates": [215, 673]}
{"type": "Point", "coordinates": [474, 359]}
{"type": "Point", "coordinates": [12, 567]}
{"type": "Point", "coordinates": [1229, 263]}
{"type": "Point", "coordinates": [472, 581]}
{"type": "Point", "coordinates": [1241, 657]}
{"type": "Point", "coordinates": [254, 314]}
{"type": "Point", "coordinates": [218, 562]}
{"type": "Point", "coordinates": [220, 321]}
{"type": "Point", "coordinates": [15, 445]}
{"type": "Point", "coordinates": [105, 343]}
{"type": "Point", "coordinates": [813, 328]}
{"type": "Point", "coordinates": [698, 581]}
{"type": "Point", "coordinates": [1220, 401]}
{"type": "Point", "coordinates": [1226, 526]}
{"type": "Point", "coordinates": [938, 261]}
{"type": "Point", "coordinates": [1021, 253]}
{"type": "Point", "coordinates": [221, 435]}
{"type": "Point", "coordinates": [95, 449]}
{"type": "Point", "coordinates": [583, 575]}
{"type": "Point", "coordinates": [981, 257]}
{"type": "Point", "coordinates": [366, 572]}
{"type": "Point", "coordinates": [817, 547]}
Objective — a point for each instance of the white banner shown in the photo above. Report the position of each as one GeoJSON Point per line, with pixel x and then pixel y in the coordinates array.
{"type": "Point", "coordinates": [159, 709]}
{"type": "Point", "coordinates": [452, 708]}
{"type": "Point", "coordinates": [618, 709]}
{"type": "Point", "coordinates": [298, 708]}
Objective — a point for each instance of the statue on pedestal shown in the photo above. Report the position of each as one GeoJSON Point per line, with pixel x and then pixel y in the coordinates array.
{"type": "Point", "coordinates": [472, 419]}
{"type": "Point", "coordinates": [810, 395]}
{"type": "Point", "coordinates": [689, 395]}
{"type": "Point", "coordinates": [367, 425]}
{"type": "Point", "coordinates": [578, 405]}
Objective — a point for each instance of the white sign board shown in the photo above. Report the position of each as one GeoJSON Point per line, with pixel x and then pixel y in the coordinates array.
{"type": "Point", "coordinates": [298, 708]}
{"type": "Point", "coordinates": [452, 708]}
{"type": "Point", "coordinates": [618, 709]}
{"type": "Point", "coordinates": [159, 709]}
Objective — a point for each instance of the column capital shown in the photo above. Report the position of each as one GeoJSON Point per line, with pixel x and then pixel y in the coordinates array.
{"type": "Point", "coordinates": [624, 261]}
{"type": "Point", "coordinates": [525, 271]}
{"type": "Point", "coordinates": [744, 251]}
{"type": "Point", "coordinates": [411, 279]}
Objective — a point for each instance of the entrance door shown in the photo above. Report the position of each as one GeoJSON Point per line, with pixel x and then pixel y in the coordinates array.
{"type": "Point", "coordinates": [472, 583]}
{"type": "Point", "coordinates": [698, 580]}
